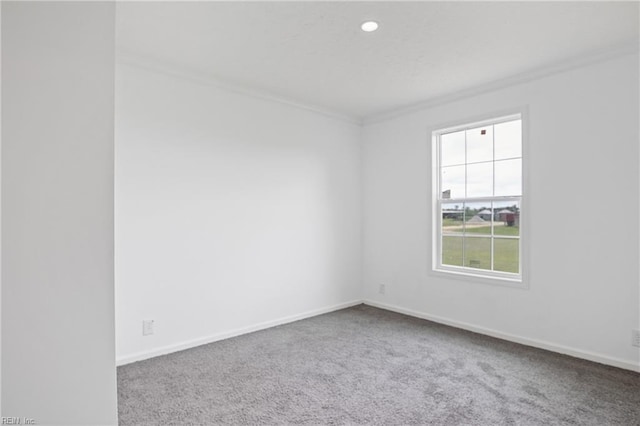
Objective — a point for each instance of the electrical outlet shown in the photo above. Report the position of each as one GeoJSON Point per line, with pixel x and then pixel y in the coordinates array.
{"type": "Point", "coordinates": [147, 327]}
{"type": "Point", "coordinates": [635, 338]}
{"type": "Point", "coordinates": [382, 289]}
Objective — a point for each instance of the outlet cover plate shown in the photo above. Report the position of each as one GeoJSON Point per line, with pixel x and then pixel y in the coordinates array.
{"type": "Point", "coordinates": [147, 327]}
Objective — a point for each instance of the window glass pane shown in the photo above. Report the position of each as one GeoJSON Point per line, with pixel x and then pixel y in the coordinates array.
{"type": "Point", "coordinates": [477, 218]}
{"type": "Point", "coordinates": [508, 176]}
{"type": "Point", "coordinates": [508, 140]}
{"type": "Point", "coordinates": [452, 148]}
{"type": "Point", "coordinates": [477, 252]}
{"type": "Point", "coordinates": [480, 176]}
{"type": "Point", "coordinates": [452, 183]}
{"type": "Point", "coordinates": [506, 216]}
{"type": "Point", "coordinates": [480, 180]}
{"type": "Point", "coordinates": [480, 144]}
{"type": "Point", "coordinates": [506, 255]}
{"type": "Point", "coordinates": [452, 250]}
{"type": "Point", "coordinates": [452, 218]}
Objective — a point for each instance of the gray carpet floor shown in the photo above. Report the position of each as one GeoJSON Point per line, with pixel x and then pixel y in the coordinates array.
{"type": "Point", "coordinates": [364, 365]}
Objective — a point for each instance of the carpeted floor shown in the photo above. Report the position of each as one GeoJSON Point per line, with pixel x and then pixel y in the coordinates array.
{"type": "Point", "coordinates": [364, 365]}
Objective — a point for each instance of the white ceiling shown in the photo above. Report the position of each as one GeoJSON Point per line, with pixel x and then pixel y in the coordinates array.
{"type": "Point", "coordinates": [315, 52]}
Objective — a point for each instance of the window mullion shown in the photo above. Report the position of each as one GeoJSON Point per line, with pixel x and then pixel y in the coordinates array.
{"type": "Point", "coordinates": [493, 177]}
{"type": "Point", "coordinates": [464, 205]}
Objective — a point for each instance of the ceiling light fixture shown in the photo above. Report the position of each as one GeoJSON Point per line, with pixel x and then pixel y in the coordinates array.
{"type": "Point", "coordinates": [369, 26]}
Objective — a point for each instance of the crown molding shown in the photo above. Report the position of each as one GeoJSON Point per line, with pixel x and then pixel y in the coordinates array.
{"type": "Point", "coordinates": [180, 71]}
{"type": "Point", "coordinates": [199, 77]}
{"type": "Point", "coordinates": [522, 78]}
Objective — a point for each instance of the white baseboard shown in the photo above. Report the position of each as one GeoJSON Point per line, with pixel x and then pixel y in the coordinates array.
{"type": "Point", "coordinates": [590, 356]}
{"type": "Point", "coordinates": [577, 353]}
{"type": "Point", "coordinates": [139, 356]}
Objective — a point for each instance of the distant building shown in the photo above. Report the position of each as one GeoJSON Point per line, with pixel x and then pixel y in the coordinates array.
{"type": "Point", "coordinates": [452, 214]}
{"type": "Point", "coordinates": [485, 214]}
{"type": "Point", "coordinates": [509, 218]}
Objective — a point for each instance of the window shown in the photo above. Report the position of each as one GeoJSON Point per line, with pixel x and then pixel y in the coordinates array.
{"type": "Point", "coordinates": [478, 199]}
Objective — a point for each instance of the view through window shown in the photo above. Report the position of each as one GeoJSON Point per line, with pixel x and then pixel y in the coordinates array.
{"type": "Point", "coordinates": [478, 198]}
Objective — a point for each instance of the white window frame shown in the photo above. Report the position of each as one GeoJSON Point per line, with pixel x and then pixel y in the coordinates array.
{"type": "Point", "coordinates": [473, 274]}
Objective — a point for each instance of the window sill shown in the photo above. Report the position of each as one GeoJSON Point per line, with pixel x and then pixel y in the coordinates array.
{"type": "Point", "coordinates": [467, 276]}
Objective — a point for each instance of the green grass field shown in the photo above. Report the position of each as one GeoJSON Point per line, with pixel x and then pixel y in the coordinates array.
{"type": "Point", "coordinates": [511, 231]}
{"type": "Point", "coordinates": [451, 222]}
{"type": "Point", "coordinates": [477, 252]}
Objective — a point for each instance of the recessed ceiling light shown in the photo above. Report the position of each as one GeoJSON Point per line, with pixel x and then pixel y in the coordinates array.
{"type": "Point", "coordinates": [369, 26]}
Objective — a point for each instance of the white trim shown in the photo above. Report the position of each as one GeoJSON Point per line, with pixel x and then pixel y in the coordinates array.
{"type": "Point", "coordinates": [180, 71]}
{"type": "Point", "coordinates": [151, 64]}
{"type": "Point", "coordinates": [483, 276]}
{"type": "Point", "coordinates": [472, 274]}
{"type": "Point", "coordinates": [164, 350]}
{"type": "Point", "coordinates": [525, 232]}
{"type": "Point", "coordinates": [479, 123]}
{"type": "Point", "coordinates": [541, 344]}
{"type": "Point", "coordinates": [514, 80]}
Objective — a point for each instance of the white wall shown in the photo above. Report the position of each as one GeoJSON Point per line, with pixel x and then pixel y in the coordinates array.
{"type": "Point", "coordinates": [232, 212]}
{"type": "Point", "coordinates": [58, 355]}
{"type": "Point", "coordinates": [583, 264]}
